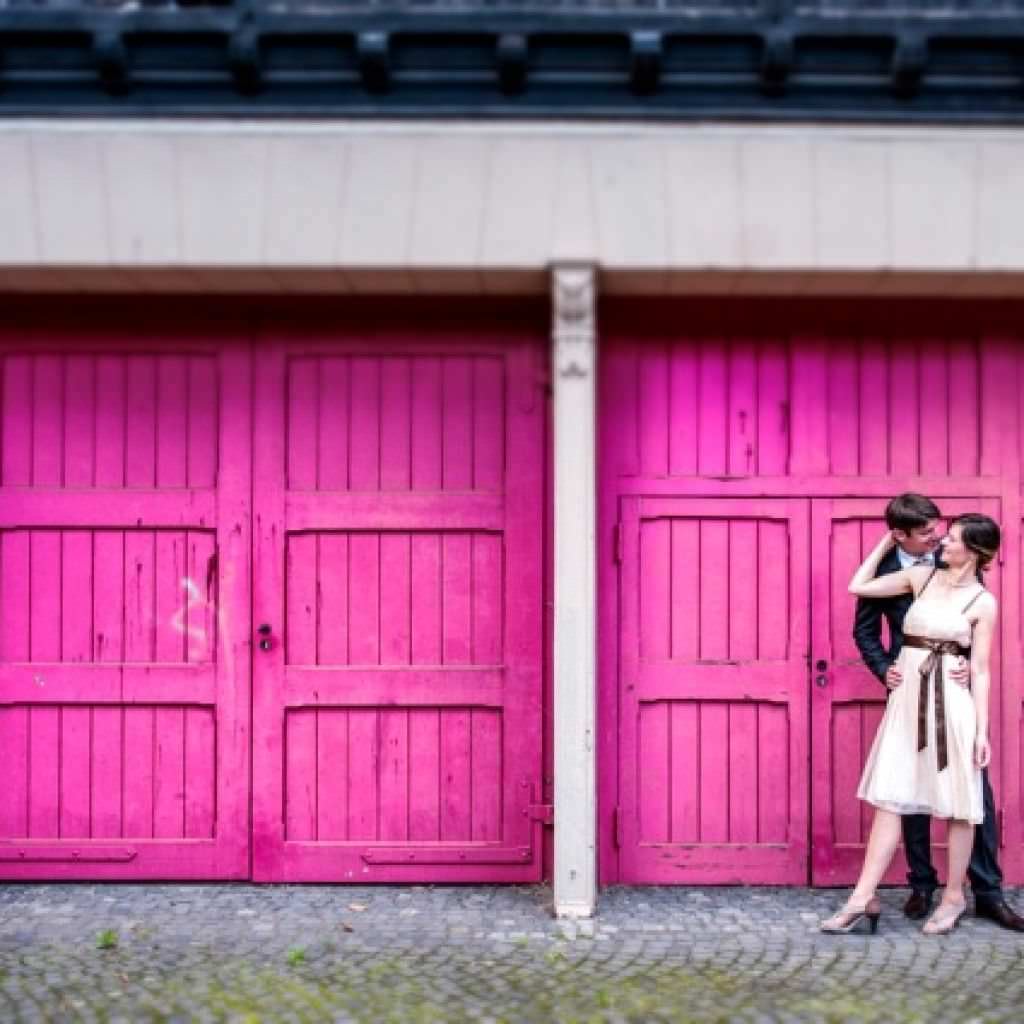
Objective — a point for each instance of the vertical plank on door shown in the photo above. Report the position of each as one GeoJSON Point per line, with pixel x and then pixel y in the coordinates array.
{"type": "Point", "coordinates": [653, 423]}
{"type": "Point", "coordinates": [424, 786]}
{"type": "Point", "coordinates": [743, 772]}
{"type": "Point", "coordinates": [364, 598]}
{"type": "Point", "coordinates": [427, 425]}
{"type": "Point", "coordinates": [15, 795]}
{"type": "Point", "coordinates": [110, 420]}
{"type": "Point", "coordinates": [683, 384]}
{"type": "Point", "coordinates": [44, 773]}
{"type": "Point", "coordinates": [843, 394]}
{"type": "Point", "coordinates": [714, 590]}
{"type": "Point", "coordinates": [685, 767]}
{"type": "Point", "coordinates": [874, 408]}
{"type": "Point", "coordinates": [456, 413]}
{"type": "Point", "coordinates": [937, 391]}
{"type": "Point", "coordinates": [773, 780]}
{"type": "Point", "coordinates": [964, 417]}
{"type": "Point", "coordinates": [455, 775]}
{"type": "Point", "coordinates": [15, 592]}
{"type": "Point", "coordinates": [139, 595]}
{"type": "Point", "coordinates": [15, 418]}
{"type": "Point", "coordinates": [108, 772]}
{"type": "Point", "coordinates": [655, 777]}
{"type": "Point", "coordinates": [74, 756]}
{"type": "Point", "coordinates": [684, 582]}
{"type": "Point", "coordinates": [200, 773]}
{"type": "Point", "coordinates": [110, 579]}
{"type": "Point", "coordinates": [486, 744]}
{"type": "Point", "coordinates": [743, 402]}
{"type": "Point", "coordinates": [363, 774]}
{"type": "Point", "coordinates": [140, 422]}
{"type": "Point", "coordinates": [396, 598]}
{"type": "Point", "coordinates": [427, 609]}
{"type": "Point", "coordinates": [76, 595]}
{"type": "Point", "coordinates": [171, 593]}
{"type": "Point", "coordinates": [904, 404]}
{"type": "Point", "coordinates": [301, 602]}
{"type": "Point", "coordinates": [457, 595]}
{"type": "Point", "coordinates": [169, 774]}
{"type": "Point", "coordinates": [487, 598]}
{"type": "Point", "coordinates": [773, 408]}
{"type": "Point", "coordinates": [656, 590]}
{"type": "Point", "coordinates": [332, 783]}
{"type": "Point", "coordinates": [364, 462]}
{"type": "Point", "coordinates": [395, 770]}
{"type": "Point", "coordinates": [303, 430]}
{"type": "Point", "coordinates": [172, 422]}
{"type": "Point", "coordinates": [333, 442]}
{"type": "Point", "coordinates": [714, 773]}
{"type": "Point", "coordinates": [333, 591]}
{"type": "Point", "coordinates": [79, 421]}
{"type": "Point", "coordinates": [300, 793]}
{"type": "Point", "coordinates": [48, 422]}
{"type": "Point", "coordinates": [139, 754]}
{"type": "Point", "coordinates": [713, 410]}
{"type": "Point", "coordinates": [488, 424]}
{"type": "Point", "coordinates": [45, 596]}
{"type": "Point", "coordinates": [395, 439]}
{"type": "Point", "coordinates": [203, 421]}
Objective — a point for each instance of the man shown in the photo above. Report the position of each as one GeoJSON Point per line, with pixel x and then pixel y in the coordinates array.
{"type": "Point", "coordinates": [913, 520]}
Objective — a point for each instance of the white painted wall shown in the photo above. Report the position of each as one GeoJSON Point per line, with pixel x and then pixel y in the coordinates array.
{"type": "Point", "coordinates": [488, 207]}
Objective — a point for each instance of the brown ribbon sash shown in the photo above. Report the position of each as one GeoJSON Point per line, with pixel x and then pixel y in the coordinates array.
{"type": "Point", "coordinates": [932, 669]}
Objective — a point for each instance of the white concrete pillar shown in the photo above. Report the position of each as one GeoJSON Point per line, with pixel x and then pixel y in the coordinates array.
{"type": "Point", "coordinates": [574, 337]}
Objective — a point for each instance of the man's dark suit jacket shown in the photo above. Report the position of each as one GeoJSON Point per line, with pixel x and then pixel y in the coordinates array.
{"type": "Point", "coordinates": [867, 622]}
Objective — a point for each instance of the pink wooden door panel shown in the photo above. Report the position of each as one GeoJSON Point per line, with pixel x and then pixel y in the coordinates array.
{"type": "Point", "coordinates": [847, 700]}
{"type": "Point", "coordinates": [124, 554]}
{"type": "Point", "coordinates": [714, 691]}
{"type": "Point", "coordinates": [398, 552]}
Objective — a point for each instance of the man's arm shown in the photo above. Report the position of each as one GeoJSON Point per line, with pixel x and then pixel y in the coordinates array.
{"type": "Point", "coordinates": [867, 635]}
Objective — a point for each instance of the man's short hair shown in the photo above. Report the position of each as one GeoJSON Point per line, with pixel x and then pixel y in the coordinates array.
{"type": "Point", "coordinates": [910, 511]}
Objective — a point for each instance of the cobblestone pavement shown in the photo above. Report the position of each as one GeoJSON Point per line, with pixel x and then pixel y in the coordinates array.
{"type": "Point", "coordinates": [419, 954]}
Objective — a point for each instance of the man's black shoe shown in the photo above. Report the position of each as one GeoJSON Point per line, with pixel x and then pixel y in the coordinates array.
{"type": "Point", "coordinates": [918, 904]}
{"type": "Point", "coordinates": [1001, 912]}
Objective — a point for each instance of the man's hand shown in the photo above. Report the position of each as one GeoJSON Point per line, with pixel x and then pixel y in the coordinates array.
{"type": "Point", "coordinates": [893, 677]}
{"type": "Point", "coordinates": [982, 751]}
{"type": "Point", "coordinates": [960, 673]}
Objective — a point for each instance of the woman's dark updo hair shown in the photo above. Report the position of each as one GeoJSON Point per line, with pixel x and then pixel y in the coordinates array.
{"type": "Point", "coordinates": [980, 534]}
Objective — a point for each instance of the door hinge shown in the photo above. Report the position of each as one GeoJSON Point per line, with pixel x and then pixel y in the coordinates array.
{"type": "Point", "coordinates": [617, 542]}
{"type": "Point", "coordinates": [617, 827]}
{"type": "Point", "coordinates": [544, 813]}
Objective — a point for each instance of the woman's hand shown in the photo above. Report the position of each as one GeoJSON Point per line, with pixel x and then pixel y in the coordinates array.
{"type": "Point", "coordinates": [982, 751]}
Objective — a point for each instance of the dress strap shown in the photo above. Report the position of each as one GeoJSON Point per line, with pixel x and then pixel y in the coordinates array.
{"type": "Point", "coordinates": [972, 600]}
{"type": "Point", "coordinates": [931, 576]}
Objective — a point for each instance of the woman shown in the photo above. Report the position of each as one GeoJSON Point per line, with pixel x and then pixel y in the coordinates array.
{"type": "Point", "coordinates": [933, 739]}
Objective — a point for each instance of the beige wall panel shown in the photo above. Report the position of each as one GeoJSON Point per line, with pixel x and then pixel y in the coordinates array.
{"type": "Point", "coordinates": [305, 185]}
{"type": "Point", "coordinates": [932, 203]}
{"type": "Point", "coordinates": [71, 197]}
{"type": "Point", "coordinates": [631, 203]}
{"type": "Point", "coordinates": [1000, 229]}
{"type": "Point", "coordinates": [448, 206]}
{"type": "Point", "coordinates": [223, 198]}
{"type": "Point", "coordinates": [377, 212]}
{"type": "Point", "coordinates": [703, 202]}
{"type": "Point", "coordinates": [487, 207]}
{"type": "Point", "coordinates": [19, 240]}
{"type": "Point", "coordinates": [144, 199]}
{"type": "Point", "coordinates": [777, 186]}
{"type": "Point", "coordinates": [519, 209]}
{"type": "Point", "coordinates": [573, 230]}
{"type": "Point", "coordinates": [851, 221]}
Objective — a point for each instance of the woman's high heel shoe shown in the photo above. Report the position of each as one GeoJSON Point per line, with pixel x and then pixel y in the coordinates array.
{"type": "Point", "coordinates": [850, 917]}
{"type": "Point", "coordinates": [945, 919]}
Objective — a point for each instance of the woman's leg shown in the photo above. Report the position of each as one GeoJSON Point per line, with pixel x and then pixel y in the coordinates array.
{"type": "Point", "coordinates": [882, 843]}
{"type": "Point", "coordinates": [961, 839]}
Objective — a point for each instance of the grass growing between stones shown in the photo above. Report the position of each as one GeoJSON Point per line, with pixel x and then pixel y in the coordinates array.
{"type": "Point", "coordinates": [523, 985]}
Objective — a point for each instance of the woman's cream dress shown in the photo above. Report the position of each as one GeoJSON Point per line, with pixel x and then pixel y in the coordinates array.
{"type": "Point", "coordinates": [897, 776]}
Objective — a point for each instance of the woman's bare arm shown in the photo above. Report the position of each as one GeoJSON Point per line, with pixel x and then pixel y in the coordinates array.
{"type": "Point", "coordinates": [981, 650]}
{"type": "Point", "coordinates": [864, 582]}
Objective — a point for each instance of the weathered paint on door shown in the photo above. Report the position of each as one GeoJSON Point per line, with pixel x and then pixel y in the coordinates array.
{"type": "Point", "coordinates": [709, 417]}
{"type": "Point", "coordinates": [398, 552]}
{"type": "Point", "coordinates": [124, 560]}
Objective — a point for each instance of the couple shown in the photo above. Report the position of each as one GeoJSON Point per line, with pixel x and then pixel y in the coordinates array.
{"type": "Point", "coordinates": [931, 751]}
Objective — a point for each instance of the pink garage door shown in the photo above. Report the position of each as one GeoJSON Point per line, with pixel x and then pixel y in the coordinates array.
{"type": "Point", "coordinates": [124, 552]}
{"type": "Point", "coordinates": [746, 458]}
{"type": "Point", "coordinates": [398, 545]}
